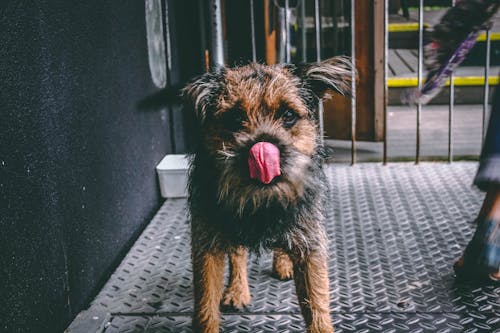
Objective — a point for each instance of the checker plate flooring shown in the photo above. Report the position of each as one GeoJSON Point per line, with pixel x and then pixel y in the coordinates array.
{"type": "Point", "coordinates": [394, 233]}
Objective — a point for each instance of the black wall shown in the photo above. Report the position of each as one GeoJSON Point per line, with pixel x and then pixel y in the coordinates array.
{"type": "Point", "coordinates": [77, 156]}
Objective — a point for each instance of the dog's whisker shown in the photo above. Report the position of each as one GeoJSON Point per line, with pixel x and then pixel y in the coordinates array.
{"type": "Point", "coordinates": [226, 154]}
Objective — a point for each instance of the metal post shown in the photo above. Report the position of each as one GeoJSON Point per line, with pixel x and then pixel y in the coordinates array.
{"type": "Point", "coordinates": [168, 49]}
{"type": "Point", "coordinates": [451, 107]}
{"type": "Point", "coordinates": [203, 35]}
{"type": "Point", "coordinates": [252, 28]}
{"type": "Point", "coordinates": [217, 45]}
{"type": "Point", "coordinates": [486, 83]}
{"type": "Point", "coordinates": [353, 82]}
{"type": "Point", "coordinates": [386, 75]}
{"type": "Point", "coordinates": [282, 36]}
{"type": "Point", "coordinates": [168, 45]}
{"type": "Point", "coordinates": [317, 27]}
{"type": "Point", "coordinates": [420, 69]}
{"type": "Point", "coordinates": [450, 118]}
{"type": "Point", "coordinates": [287, 31]}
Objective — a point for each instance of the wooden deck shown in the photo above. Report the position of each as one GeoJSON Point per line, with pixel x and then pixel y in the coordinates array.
{"type": "Point", "coordinates": [404, 63]}
{"type": "Point", "coordinates": [468, 80]}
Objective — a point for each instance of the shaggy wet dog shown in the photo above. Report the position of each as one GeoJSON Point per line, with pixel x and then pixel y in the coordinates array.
{"type": "Point", "coordinates": [256, 182]}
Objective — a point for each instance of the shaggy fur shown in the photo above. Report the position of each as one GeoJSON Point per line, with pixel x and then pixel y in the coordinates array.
{"type": "Point", "coordinates": [230, 212]}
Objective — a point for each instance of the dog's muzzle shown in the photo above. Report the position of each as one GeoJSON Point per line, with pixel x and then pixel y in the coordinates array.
{"type": "Point", "coordinates": [264, 162]}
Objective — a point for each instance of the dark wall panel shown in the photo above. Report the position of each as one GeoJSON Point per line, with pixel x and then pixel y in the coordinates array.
{"type": "Point", "coordinates": [77, 157]}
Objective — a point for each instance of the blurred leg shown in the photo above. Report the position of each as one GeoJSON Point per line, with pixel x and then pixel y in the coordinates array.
{"type": "Point", "coordinates": [482, 254]}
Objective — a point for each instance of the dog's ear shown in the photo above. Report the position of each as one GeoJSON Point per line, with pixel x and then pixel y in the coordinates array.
{"type": "Point", "coordinates": [331, 74]}
{"type": "Point", "coordinates": [202, 93]}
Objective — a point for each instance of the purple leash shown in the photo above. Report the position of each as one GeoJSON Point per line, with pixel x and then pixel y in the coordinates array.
{"type": "Point", "coordinates": [436, 78]}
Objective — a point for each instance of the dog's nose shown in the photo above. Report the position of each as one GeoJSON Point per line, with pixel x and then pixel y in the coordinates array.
{"type": "Point", "coordinates": [264, 162]}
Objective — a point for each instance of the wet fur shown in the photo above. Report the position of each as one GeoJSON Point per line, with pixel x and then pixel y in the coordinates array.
{"type": "Point", "coordinates": [231, 212]}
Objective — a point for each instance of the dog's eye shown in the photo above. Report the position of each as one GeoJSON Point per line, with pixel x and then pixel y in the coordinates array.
{"type": "Point", "coordinates": [289, 118]}
{"type": "Point", "coordinates": [233, 119]}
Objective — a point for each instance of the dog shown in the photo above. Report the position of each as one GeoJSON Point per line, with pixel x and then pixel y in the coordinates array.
{"type": "Point", "coordinates": [256, 182]}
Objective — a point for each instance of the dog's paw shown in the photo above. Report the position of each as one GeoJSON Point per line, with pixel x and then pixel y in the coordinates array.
{"type": "Point", "coordinates": [326, 329]}
{"type": "Point", "coordinates": [282, 266]}
{"type": "Point", "coordinates": [237, 298]}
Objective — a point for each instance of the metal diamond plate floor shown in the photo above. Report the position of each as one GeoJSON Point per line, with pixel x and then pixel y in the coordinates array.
{"type": "Point", "coordinates": [394, 233]}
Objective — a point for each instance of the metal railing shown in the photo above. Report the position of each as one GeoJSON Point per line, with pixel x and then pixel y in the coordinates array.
{"type": "Point", "coordinates": [217, 54]}
{"type": "Point", "coordinates": [216, 48]}
{"type": "Point", "coordinates": [451, 103]}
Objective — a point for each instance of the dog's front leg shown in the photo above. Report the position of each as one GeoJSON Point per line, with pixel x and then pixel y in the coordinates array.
{"type": "Point", "coordinates": [237, 293]}
{"type": "Point", "coordinates": [311, 283]}
{"type": "Point", "coordinates": [208, 271]}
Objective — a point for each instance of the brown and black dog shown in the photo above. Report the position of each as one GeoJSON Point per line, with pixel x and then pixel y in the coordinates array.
{"type": "Point", "coordinates": [256, 182]}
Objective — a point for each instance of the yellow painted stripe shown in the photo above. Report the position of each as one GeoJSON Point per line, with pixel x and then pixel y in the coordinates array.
{"type": "Point", "coordinates": [404, 82]}
{"type": "Point", "coordinates": [408, 27]}
{"type": "Point", "coordinates": [404, 27]}
{"type": "Point", "coordinates": [493, 36]}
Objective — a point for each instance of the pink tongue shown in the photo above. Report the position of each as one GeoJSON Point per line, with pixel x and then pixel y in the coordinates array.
{"type": "Point", "coordinates": [264, 162]}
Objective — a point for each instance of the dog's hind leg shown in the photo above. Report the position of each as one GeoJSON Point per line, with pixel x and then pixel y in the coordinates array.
{"type": "Point", "coordinates": [282, 265]}
{"type": "Point", "coordinates": [311, 283]}
{"type": "Point", "coordinates": [208, 274]}
{"type": "Point", "coordinates": [237, 293]}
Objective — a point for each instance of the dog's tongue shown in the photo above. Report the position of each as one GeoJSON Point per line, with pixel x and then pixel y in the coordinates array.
{"type": "Point", "coordinates": [264, 162]}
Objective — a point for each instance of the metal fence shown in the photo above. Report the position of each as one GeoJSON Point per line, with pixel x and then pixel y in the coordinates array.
{"type": "Point", "coordinates": [451, 87]}
{"type": "Point", "coordinates": [294, 19]}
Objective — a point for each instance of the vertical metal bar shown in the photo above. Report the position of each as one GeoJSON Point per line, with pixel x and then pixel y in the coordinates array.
{"type": "Point", "coordinates": [252, 28]}
{"type": "Point", "coordinates": [419, 77]}
{"type": "Point", "coordinates": [386, 75]}
{"type": "Point", "coordinates": [217, 45]}
{"type": "Point", "coordinates": [168, 49]}
{"type": "Point", "coordinates": [317, 28]}
{"type": "Point", "coordinates": [283, 35]}
{"type": "Point", "coordinates": [451, 107]}
{"type": "Point", "coordinates": [321, 121]}
{"type": "Point", "coordinates": [486, 83]}
{"type": "Point", "coordinates": [353, 82]}
{"type": "Point", "coordinates": [451, 110]}
{"type": "Point", "coordinates": [287, 30]}
{"type": "Point", "coordinates": [304, 30]}
{"type": "Point", "coordinates": [168, 44]}
{"type": "Point", "coordinates": [203, 35]}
